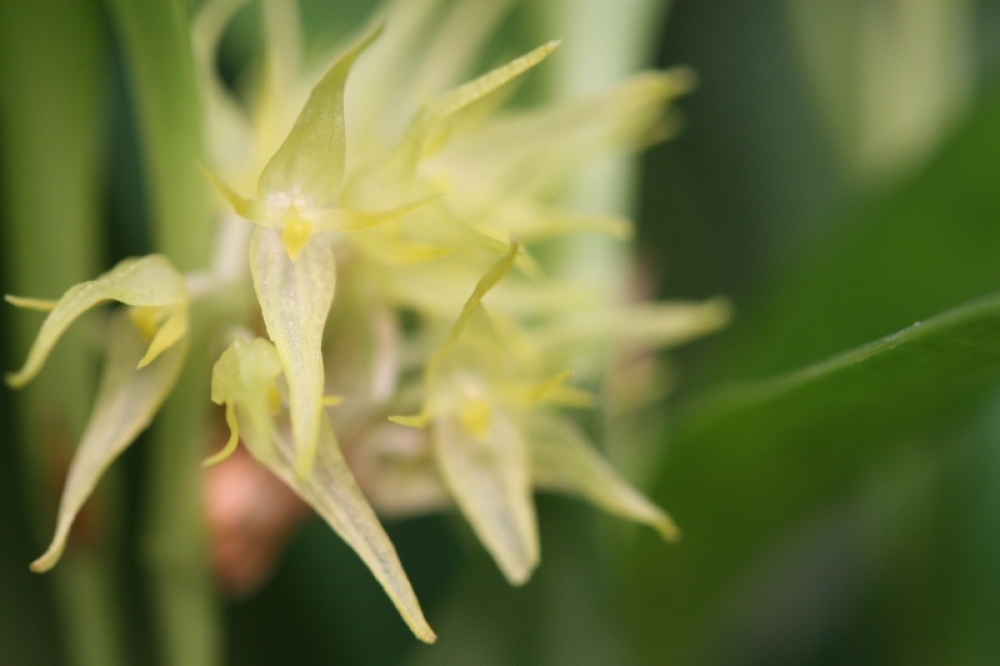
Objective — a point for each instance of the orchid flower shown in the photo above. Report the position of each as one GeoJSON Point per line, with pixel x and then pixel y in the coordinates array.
{"type": "Point", "coordinates": [386, 186]}
{"type": "Point", "coordinates": [147, 346]}
{"type": "Point", "coordinates": [494, 435]}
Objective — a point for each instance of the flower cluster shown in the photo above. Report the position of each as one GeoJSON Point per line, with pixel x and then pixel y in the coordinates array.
{"type": "Point", "coordinates": [423, 206]}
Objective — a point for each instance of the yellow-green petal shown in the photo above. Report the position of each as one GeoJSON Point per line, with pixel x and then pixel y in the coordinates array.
{"type": "Point", "coordinates": [126, 402]}
{"type": "Point", "coordinates": [562, 460]}
{"type": "Point", "coordinates": [245, 374]}
{"type": "Point", "coordinates": [311, 160]}
{"type": "Point", "coordinates": [147, 282]}
{"type": "Point", "coordinates": [427, 121]}
{"type": "Point", "coordinates": [490, 480]}
{"type": "Point", "coordinates": [295, 299]}
{"type": "Point", "coordinates": [242, 378]}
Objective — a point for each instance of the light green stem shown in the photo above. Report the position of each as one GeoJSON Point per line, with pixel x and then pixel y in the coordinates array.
{"type": "Point", "coordinates": [53, 56]}
{"type": "Point", "coordinates": [155, 35]}
{"type": "Point", "coordinates": [604, 42]}
{"type": "Point", "coordinates": [175, 545]}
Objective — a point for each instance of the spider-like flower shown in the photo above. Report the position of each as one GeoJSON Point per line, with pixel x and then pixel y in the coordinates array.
{"type": "Point", "coordinates": [393, 216]}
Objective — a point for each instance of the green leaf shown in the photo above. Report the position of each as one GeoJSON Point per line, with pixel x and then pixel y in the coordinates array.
{"type": "Point", "coordinates": [898, 257]}
{"type": "Point", "coordinates": [748, 461]}
{"type": "Point", "coordinates": [53, 93]}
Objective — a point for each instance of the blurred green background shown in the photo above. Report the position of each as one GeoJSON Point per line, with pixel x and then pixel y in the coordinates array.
{"type": "Point", "coordinates": [837, 177]}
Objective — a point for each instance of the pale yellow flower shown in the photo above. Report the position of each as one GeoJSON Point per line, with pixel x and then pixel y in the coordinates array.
{"type": "Point", "coordinates": [383, 186]}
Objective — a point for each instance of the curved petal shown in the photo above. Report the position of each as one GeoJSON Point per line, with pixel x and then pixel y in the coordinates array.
{"type": "Point", "coordinates": [295, 299]}
{"type": "Point", "coordinates": [563, 460]}
{"type": "Point", "coordinates": [150, 282]}
{"type": "Point", "coordinates": [126, 403]}
{"type": "Point", "coordinates": [491, 483]}
{"type": "Point", "coordinates": [311, 160]}
{"type": "Point", "coordinates": [428, 119]}
{"type": "Point", "coordinates": [241, 378]}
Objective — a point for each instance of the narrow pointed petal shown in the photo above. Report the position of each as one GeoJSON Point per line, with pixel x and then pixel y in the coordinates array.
{"type": "Point", "coordinates": [457, 99]}
{"type": "Point", "coordinates": [491, 483]}
{"type": "Point", "coordinates": [311, 160]}
{"type": "Point", "coordinates": [39, 304]}
{"type": "Point", "coordinates": [427, 122]}
{"type": "Point", "coordinates": [241, 205]}
{"type": "Point", "coordinates": [172, 330]}
{"type": "Point", "coordinates": [295, 298]}
{"type": "Point", "coordinates": [231, 444]}
{"type": "Point", "coordinates": [126, 403]}
{"type": "Point", "coordinates": [242, 379]}
{"type": "Point", "coordinates": [489, 280]}
{"type": "Point", "coordinates": [563, 460]}
{"type": "Point", "coordinates": [150, 281]}
{"type": "Point", "coordinates": [330, 489]}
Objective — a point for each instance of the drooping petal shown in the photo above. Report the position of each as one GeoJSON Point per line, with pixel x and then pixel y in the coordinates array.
{"type": "Point", "coordinates": [490, 481]}
{"type": "Point", "coordinates": [562, 460]}
{"type": "Point", "coordinates": [295, 299]}
{"type": "Point", "coordinates": [147, 282]}
{"type": "Point", "coordinates": [311, 160]}
{"type": "Point", "coordinates": [331, 490]}
{"type": "Point", "coordinates": [126, 402]}
{"type": "Point", "coordinates": [242, 377]}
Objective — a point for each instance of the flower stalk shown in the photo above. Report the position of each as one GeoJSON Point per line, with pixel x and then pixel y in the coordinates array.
{"type": "Point", "coordinates": [155, 34]}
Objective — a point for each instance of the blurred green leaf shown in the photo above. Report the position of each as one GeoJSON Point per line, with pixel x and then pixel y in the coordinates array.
{"type": "Point", "coordinates": [895, 258]}
{"type": "Point", "coordinates": [750, 461]}
{"type": "Point", "coordinates": [53, 59]}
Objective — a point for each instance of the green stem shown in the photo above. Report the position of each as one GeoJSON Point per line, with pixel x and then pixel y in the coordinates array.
{"type": "Point", "coordinates": [175, 546]}
{"type": "Point", "coordinates": [155, 37]}
{"type": "Point", "coordinates": [53, 59]}
{"type": "Point", "coordinates": [604, 43]}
